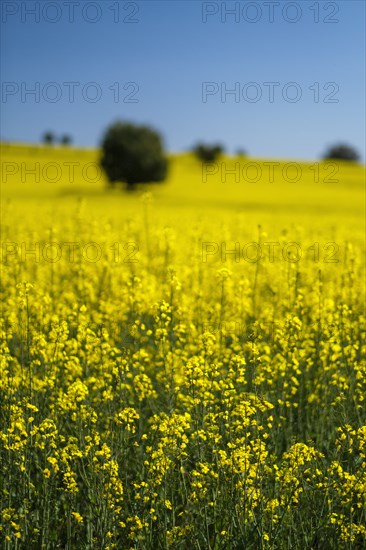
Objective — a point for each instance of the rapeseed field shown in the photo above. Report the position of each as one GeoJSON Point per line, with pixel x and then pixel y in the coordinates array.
{"type": "Point", "coordinates": [182, 367]}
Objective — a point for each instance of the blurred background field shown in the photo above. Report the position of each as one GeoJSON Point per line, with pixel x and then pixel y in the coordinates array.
{"type": "Point", "coordinates": [325, 194]}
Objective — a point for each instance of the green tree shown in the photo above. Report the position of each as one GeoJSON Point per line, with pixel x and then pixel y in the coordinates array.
{"type": "Point", "coordinates": [342, 152]}
{"type": "Point", "coordinates": [208, 153]}
{"type": "Point", "coordinates": [133, 154]}
{"type": "Point", "coordinates": [48, 138]}
{"type": "Point", "coordinates": [65, 140]}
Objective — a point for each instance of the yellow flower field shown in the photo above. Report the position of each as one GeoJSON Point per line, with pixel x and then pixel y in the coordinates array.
{"type": "Point", "coordinates": [182, 368]}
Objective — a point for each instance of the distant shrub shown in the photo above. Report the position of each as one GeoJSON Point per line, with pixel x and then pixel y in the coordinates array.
{"type": "Point", "coordinates": [133, 154]}
{"type": "Point", "coordinates": [65, 140]}
{"type": "Point", "coordinates": [208, 153]}
{"type": "Point", "coordinates": [342, 152]}
{"type": "Point", "coordinates": [48, 138]}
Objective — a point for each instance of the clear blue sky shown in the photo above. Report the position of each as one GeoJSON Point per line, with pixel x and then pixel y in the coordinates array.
{"type": "Point", "coordinates": [168, 50]}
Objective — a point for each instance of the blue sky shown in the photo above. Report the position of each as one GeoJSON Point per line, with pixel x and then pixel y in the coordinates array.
{"type": "Point", "coordinates": [169, 63]}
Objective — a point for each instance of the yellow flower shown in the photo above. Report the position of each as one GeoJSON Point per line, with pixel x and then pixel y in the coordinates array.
{"type": "Point", "coordinates": [78, 517]}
